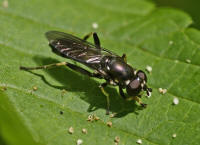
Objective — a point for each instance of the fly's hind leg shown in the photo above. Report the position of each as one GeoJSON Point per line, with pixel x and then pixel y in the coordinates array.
{"type": "Point", "coordinates": [44, 66]}
{"type": "Point", "coordinates": [72, 66]}
{"type": "Point", "coordinates": [95, 37]}
{"type": "Point", "coordinates": [102, 86]}
{"type": "Point", "coordinates": [84, 71]}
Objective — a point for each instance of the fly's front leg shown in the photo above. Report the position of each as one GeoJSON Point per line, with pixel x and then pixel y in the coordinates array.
{"type": "Point", "coordinates": [102, 86]}
{"type": "Point", "coordinates": [121, 92]}
{"type": "Point", "coordinates": [95, 37]}
{"type": "Point", "coordinates": [137, 99]}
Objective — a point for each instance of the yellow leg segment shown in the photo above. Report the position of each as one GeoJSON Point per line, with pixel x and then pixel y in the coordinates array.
{"type": "Point", "coordinates": [124, 57]}
{"type": "Point", "coordinates": [107, 99]}
{"type": "Point", "coordinates": [137, 99]}
{"type": "Point", "coordinates": [43, 67]}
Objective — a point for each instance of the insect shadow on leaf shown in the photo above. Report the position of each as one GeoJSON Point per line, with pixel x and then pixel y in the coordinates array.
{"type": "Point", "coordinates": [75, 82]}
{"type": "Point", "coordinates": [106, 65]}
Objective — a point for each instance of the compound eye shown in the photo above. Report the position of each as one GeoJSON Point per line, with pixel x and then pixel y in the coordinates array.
{"type": "Point", "coordinates": [142, 75]}
{"type": "Point", "coordinates": [134, 84]}
{"type": "Point", "coordinates": [134, 87]}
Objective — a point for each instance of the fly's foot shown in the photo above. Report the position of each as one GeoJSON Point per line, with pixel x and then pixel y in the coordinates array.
{"type": "Point", "coordinates": [107, 112]}
{"type": "Point", "coordinates": [143, 105]}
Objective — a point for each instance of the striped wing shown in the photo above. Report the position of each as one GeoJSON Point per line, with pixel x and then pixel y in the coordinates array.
{"type": "Point", "coordinates": [74, 48]}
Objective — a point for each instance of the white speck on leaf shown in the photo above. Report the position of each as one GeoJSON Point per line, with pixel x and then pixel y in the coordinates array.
{"type": "Point", "coordinates": [162, 91]}
{"type": "Point", "coordinates": [149, 68]}
{"type": "Point", "coordinates": [112, 115]}
{"type": "Point", "coordinates": [188, 60]}
{"type": "Point", "coordinates": [117, 139]}
{"type": "Point", "coordinates": [35, 88]}
{"type": "Point", "coordinates": [84, 131]}
{"type": "Point", "coordinates": [176, 61]}
{"type": "Point", "coordinates": [5, 3]}
{"type": "Point", "coordinates": [171, 42]}
{"type": "Point", "coordinates": [109, 124]}
{"type": "Point", "coordinates": [71, 130]}
{"type": "Point", "coordinates": [92, 118]}
{"type": "Point", "coordinates": [139, 141]}
{"type": "Point", "coordinates": [174, 135]}
{"type": "Point", "coordinates": [79, 141]}
{"type": "Point", "coordinates": [175, 101]}
{"type": "Point", "coordinates": [95, 25]}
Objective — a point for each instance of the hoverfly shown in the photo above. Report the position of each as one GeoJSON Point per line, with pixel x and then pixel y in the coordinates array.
{"type": "Point", "coordinates": [106, 64]}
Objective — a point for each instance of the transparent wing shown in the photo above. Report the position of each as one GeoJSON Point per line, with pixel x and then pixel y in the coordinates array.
{"type": "Point", "coordinates": [72, 47]}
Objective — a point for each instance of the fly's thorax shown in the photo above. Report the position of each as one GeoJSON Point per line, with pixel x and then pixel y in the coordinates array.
{"type": "Point", "coordinates": [118, 70]}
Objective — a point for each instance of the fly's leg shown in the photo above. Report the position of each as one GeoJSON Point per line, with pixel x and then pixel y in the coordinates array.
{"type": "Point", "coordinates": [84, 71]}
{"type": "Point", "coordinates": [96, 40]}
{"type": "Point", "coordinates": [44, 66]}
{"type": "Point", "coordinates": [102, 86]}
{"type": "Point", "coordinates": [121, 92]}
{"type": "Point", "coordinates": [124, 57]}
{"type": "Point", "coordinates": [87, 36]}
{"type": "Point", "coordinates": [137, 99]}
{"type": "Point", "coordinates": [72, 66]}
{"type": "Point", "coordinates": [95, 37]}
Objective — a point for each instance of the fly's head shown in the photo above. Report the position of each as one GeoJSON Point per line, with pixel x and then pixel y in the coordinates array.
{"type": "Point", "coordinates": [138, 84]}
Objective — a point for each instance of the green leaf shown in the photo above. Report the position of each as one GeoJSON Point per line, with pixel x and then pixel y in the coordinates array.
{"type": "Point", "coordinates": [158, 37]}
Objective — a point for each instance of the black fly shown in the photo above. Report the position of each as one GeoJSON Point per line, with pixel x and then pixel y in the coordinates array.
{"type": "Point", "coordinates": [106, 65]}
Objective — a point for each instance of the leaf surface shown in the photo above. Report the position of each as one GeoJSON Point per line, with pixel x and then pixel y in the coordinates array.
{"type": "Point", "coordinates": [158, 37]}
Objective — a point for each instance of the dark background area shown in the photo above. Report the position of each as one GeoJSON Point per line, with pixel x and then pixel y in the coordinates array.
{"type": "Point", "coordinates": [192, 7]}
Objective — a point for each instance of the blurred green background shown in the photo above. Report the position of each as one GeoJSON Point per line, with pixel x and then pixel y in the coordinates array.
{"type": "Point", "coordinates": [189, 6]}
